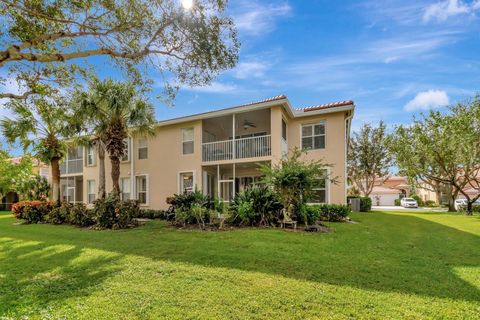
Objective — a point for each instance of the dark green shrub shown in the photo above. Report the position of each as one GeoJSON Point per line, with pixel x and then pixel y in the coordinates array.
{"type": "Point", "coordinates": [152, 214]}
{"type": "Point", "coordinates": [111, 213]}
{"type": "Point", "coordinates": [307, 214]}
{"type": "Point", "coordinates": [365, 204]}
{"type": "Point", "coordinates": [32, 211]}
{"type": "Point", "coordinates": [397, 202]}
{"type": "Point", "coordinates": [334, 212]}
{"type": "Point", "coordinates": [257, 206]}
{"type": "Point", "coordinates": [187, 200]}
{"type": "Point", "coordinates": [80, 216]}
{"type": "Point", "coordinates": [59, 214]}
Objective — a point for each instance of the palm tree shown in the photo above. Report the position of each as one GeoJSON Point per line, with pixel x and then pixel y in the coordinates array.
{"type": "Point", "coordinates": [112, 109]}
{"type": "Point", "coordinates": [42, 125]}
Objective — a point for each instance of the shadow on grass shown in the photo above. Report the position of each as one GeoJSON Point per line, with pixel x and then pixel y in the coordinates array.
{"type": "Point", "coordinates": [384, 252]}
{"type": "Point", "coordinates": [34, 274]}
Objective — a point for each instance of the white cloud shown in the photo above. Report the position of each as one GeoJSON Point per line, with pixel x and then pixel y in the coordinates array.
{"type": "Point", "coordinates": [427, 100]}
{"type": "Point", "coordinates": [214, 87]}
{"type": "Point", "coordinates": [250, 69]}
{"type": "Point", "coordinates": [443, 10]}
{"type": "Point", "coordinates": [254, 18]}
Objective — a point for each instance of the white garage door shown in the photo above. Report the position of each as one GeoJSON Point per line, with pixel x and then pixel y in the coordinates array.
{"type": "Point", "coordinates": [383, 199]}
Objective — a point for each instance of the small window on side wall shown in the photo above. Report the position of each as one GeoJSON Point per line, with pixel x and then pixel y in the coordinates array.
{"type": "Point", "coordinates": [91, 191]}
{"type": "Point", "coordinates": [142, 149]}
{"type": "Point", "coordinates": [186, 182]}
{"type": "Point", "coordinates": [188, 141]}
{"type": "Point", "coordinates": [284, 130]}
{"type": "Point", "coordinates": [319, 192]}
{"type": "Point", "coordinates": [142, 189]}
{"type": "Point", "coordinates": [313, 136]}
{"type": "Point", "coordinates": [91, 157]}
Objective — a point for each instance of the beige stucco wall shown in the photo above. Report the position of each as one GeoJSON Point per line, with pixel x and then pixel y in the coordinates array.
{"type": "Point", "coordinates": [165, 159]}
{"type": "Point", "coordinates": [334, 152]}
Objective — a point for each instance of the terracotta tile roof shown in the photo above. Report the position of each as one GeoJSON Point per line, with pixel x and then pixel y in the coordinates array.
{"type": "Point", "coordinates": [279, 97]}
{"type": "Point", "coordinates": [326, 106]}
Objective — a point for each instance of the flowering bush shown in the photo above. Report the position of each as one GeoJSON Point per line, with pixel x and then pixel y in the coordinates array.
{"type": "Point", "coordinates": [32, 211]}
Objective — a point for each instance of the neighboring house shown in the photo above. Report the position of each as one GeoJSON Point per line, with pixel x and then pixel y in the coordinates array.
{"type": "Point", "coordinates": [426, 194]}
{"type": "Point", "coordinates": [218, 153]}
{"type": "Point", "coordinates": [385, 193]}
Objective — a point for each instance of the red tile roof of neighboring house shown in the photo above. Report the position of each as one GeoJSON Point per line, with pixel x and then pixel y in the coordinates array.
{"type": "Point", "coordinates": [326, 106]}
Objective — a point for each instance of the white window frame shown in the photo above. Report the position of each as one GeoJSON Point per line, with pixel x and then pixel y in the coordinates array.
{"type": "Point", "coordinates": [179, 180]}
{"type": "Point", "coordinates": [139, 147]}
{"type": "Point", "coordinates": [129, 151]}
{"type": "Point", "coordinates": [91, 192]}
{"type": "Point", "coordinates": [147, 197]}
{"type": "Point", "coordinates": [90, 150]}
{"type": "Point", "coordinates": [184, 141]}
{"type": "Point", "coordinates": [326, 188]}
{"type": "Point", "coordinates": [313, 134]}
{"type": "Point", "coordinates": [129, 185]}
{"type": "Point", "coordinates": [286, 130]}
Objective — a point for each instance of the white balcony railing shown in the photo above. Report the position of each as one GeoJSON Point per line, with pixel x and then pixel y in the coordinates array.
{"type": "Point", "coordinates": [252, 147]}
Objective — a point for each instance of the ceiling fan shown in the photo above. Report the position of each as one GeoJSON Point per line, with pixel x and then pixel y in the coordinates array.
{"type": "Point", "coordinates": [248, 124]}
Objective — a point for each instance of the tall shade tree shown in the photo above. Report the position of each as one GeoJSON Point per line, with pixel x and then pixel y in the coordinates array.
{"type": "Point", "coordinates": [42, 126]}
{"type": "Point", "coordinates": [368, 159]}
{"type": "Point", "coordinates": [44, 43]}
{"type": "Point", "coordinates": [443, 148]}
{"type": "Point", "coordinates": [112, 109]}
{"type": "Point", "coordinates": [12, 173]}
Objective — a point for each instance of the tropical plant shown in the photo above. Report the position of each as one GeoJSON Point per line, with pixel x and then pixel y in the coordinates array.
{"type": "Point", "coordinates": [258, 205]}
{"type": "Point", "coordinates": [295, 179]}
{"type": "Point", "coordinates": [368, 159]}
{"type": "Point", "coordinates": [110, 110]}
{"type": "Point", "coordinates": [43, 43]}
{"type": "Point", "coordinates": [32, 211]}
{"type": "Point", "coordinates": [42, 125]}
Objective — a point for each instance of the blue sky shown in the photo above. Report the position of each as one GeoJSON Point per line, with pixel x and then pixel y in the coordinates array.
{"type": "Point", "coordinates": [394, 58]}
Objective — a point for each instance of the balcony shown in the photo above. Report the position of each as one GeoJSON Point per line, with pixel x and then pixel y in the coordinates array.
{"type": "Point", "coordinates": [73, 162]}
{"type": "Point", "coordinates": [237, 136]}
{"type": "Point", "coordinates": [251, 147]}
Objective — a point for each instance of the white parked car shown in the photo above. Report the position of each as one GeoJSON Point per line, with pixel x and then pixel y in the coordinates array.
{"type": "Point", "coordinates": [460, 203]}
{"type": "Point", "coordinates": [409, 203]}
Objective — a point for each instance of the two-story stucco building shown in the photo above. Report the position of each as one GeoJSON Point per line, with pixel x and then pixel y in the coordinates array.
{"type": "Point", "coordinates": [218, 152]}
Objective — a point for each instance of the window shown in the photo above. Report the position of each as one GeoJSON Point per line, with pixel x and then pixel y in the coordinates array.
{"type": "Point", "coordinates": [91, 190]}
{"type": "Point", "coordinates": [142, 149]}
{"type": "Point", "coordinates": [126, 154]}
{"type": "Point", "coordinates": [284, 130]}
{"type": "Point", "coordinates": [319, 194]}
{"type": "Point", "coordinates": [313, 136]}
{"type": "Point", "coordinates": [142, 189]}
{"type": "Point", "coordinates": [186, 182]}
{"type": "Point", "coordinates": [187, 140]}
{"type": "Point", "coordinates": [125, 189]}
{"type": "Point", "coordinates": [91, 156]}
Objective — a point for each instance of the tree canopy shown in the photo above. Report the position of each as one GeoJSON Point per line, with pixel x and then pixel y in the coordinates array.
{"type": "Point", "coordinates": [368, 159]}
{"type": "Point", "coordinates": [47, 43]}
{"type": "Point", "coordinates": [13, 173]}
{"type": "Point", "coordinates": [442, 147]}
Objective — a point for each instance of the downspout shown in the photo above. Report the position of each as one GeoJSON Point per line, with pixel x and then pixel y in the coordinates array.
{"type": "Point", "coordinates": [132, 171]}
{"type": "Point", "coordinates": [348, 125]}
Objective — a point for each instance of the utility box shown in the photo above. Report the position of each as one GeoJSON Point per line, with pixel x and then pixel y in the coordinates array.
{"type": "Point", "coordinates": [354, 204]}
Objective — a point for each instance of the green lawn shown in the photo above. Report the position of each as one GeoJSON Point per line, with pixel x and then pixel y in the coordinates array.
{"type": "Point", "coordinates": [386, 266]}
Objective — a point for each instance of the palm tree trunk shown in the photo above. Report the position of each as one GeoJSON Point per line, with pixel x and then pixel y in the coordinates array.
{"type": "Point", "coordinates": [55, 164]}
{"type": "Point", "coordinates": [101, 172]}
{"type": "Point", "coordinates": [115, 173]}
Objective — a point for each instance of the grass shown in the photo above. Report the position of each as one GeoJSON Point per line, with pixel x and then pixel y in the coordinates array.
{"type": "Point", "coordinates": [387, 266]}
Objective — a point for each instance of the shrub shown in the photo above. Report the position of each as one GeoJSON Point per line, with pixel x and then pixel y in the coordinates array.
{"type": "Point", "coordinates": [59, 214]}
{"type": "Point", "coordinates": [334, 212]}
{"type": "Point", "coordinates": [430, 203]}
{"type": "Point", "coordinates": [257, 205]}
{"type": "Point", "coordinates": [111, 213]}
{"type": "Point", "coordinates": [187, 200]}
{"type": "Point", "coordinates": [365, 204]}
{"type": "Point", "coordinates": [181, 216]}
{"type": "Point", "coordinates": [307, 214]}
{"type": "Point", "coordinates": [32, 211]}
{"type": "Point", "coordinates": [152, 214]}
{"type": "Point", "coordinates": [397, 202]}
{"type": "Point", "coordinates": [80, 216]}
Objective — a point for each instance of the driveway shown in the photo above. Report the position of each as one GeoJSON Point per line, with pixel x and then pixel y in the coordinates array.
{"type": "Point", "coordinates": [398, 208]}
